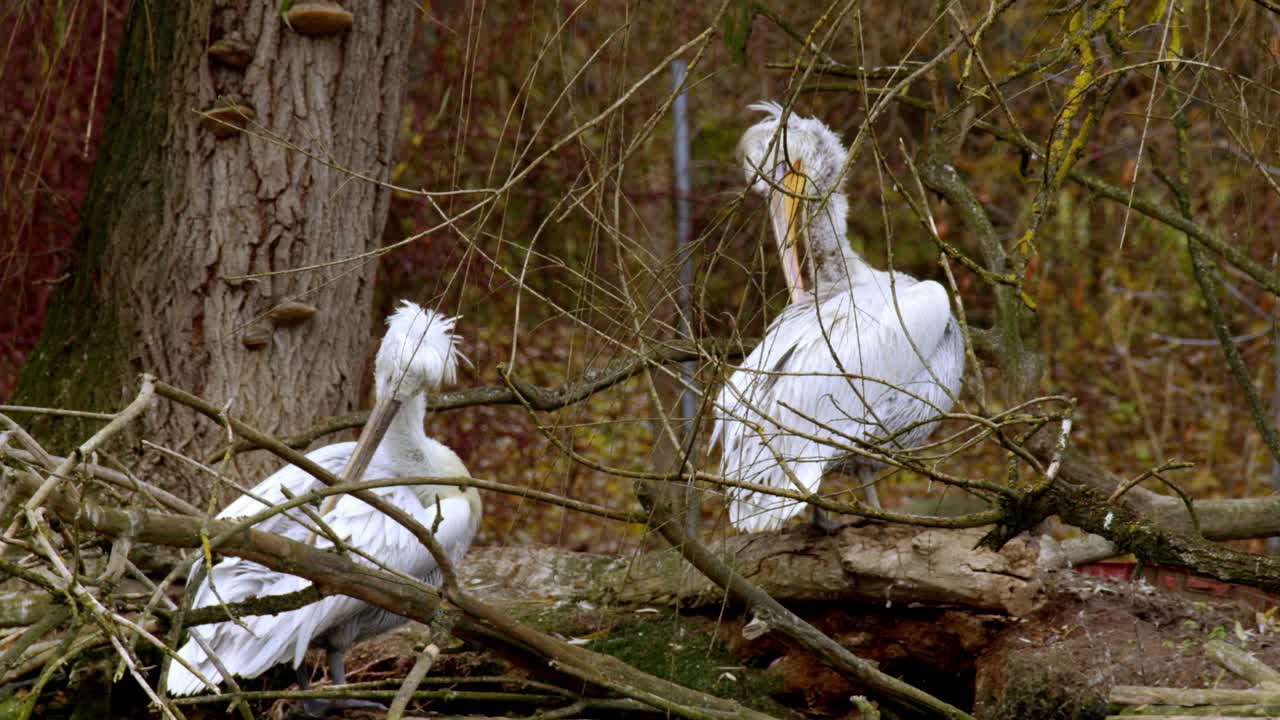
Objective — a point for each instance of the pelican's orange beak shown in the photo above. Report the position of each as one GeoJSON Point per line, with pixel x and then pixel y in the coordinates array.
{"type": "Point", "coordinates": [786, 219]}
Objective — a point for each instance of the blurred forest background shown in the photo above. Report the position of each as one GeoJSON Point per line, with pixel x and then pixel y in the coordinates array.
{"type": "Point", "coordinates": [589, 231]}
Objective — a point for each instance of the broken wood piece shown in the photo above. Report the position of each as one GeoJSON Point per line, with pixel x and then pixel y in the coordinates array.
{"type": "Point", "coordinates": [1152, 712]}
{"type": "Point", "coordinates": [1242, 663]}
{"type": "Point", "coordinates": [1190, 697]}
{"type": "Point", "coordinates": [1178, 717]}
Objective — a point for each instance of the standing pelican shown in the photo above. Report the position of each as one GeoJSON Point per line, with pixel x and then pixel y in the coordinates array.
{"type": "Point", "coordinates": [843, 361]}
{"type": "Point", "coordinates": [417, 354]}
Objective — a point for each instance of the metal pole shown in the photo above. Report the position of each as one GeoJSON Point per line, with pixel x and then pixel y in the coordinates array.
{"type": "Point", "coordinates": [1273, 543]}
{"type": "Point", "coordinates": [680, 162]}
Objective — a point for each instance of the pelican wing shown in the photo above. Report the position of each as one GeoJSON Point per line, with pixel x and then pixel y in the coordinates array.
{"type": "Point", "coordinates": [828, 375]}
{"type": "Point", "coordinates": [260, 642]}
{"type": "Point", "coordinates": [381, 537]}
{"type": "Point", "coordinates": [289, 481]}
{"type": "Point", "coordinates": [918, 321]}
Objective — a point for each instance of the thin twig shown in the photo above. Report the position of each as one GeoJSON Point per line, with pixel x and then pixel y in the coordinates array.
{"type": "Point", "coordinates": [411, 681]}
{"type": "Point", "coordinates": [143, 400]}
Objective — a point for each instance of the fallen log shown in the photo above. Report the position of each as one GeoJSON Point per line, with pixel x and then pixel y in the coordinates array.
{"type": "Point", "coordinates": [872, 564]}
{"type": "Point", "coordinates": [1184, 716]}
{"type": "Point", "coordinates": [1232, 519]}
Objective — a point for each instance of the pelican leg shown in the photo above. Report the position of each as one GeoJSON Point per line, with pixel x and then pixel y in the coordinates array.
{"type": "Point", "coordinates": [867, 479]}
{"type": "Point", "coordinates": [319, 707]}
{"type": "Point", "coordinates": [338, 676]}
{"type": "Point", "coordinates": [823, 523]}
{"type": "Point", "coordinates": [311, 707]}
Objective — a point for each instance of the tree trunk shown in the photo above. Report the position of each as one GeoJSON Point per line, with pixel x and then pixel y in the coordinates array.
{"type": "Point", "coordinates": [180, 208]}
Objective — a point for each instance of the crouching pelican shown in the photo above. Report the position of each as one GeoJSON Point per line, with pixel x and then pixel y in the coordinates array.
{"type": "Point", "coordinates": [417, 354]}
{"type": "Point", "coordinates": [843, 364]}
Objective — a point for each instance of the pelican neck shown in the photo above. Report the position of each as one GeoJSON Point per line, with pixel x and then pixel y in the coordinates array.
{"type": "Point", "coordinates": [405, 436]}
{"type": "Point", "coordinates": [835, 264]}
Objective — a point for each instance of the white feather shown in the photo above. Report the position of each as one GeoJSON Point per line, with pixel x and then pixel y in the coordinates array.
{"type": "Point", "coordinates": [419, 351]}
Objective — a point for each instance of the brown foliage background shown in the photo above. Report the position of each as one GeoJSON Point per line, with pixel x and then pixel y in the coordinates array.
{"type": "Point", "coordinates": [1121, 323]}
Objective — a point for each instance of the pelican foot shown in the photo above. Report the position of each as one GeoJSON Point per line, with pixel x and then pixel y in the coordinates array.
{"type": "Point", "coordinates": [824, 524]}
{"type": "Point", "coordinates": [320, 707]}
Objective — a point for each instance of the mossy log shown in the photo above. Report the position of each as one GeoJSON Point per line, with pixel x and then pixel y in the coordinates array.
{"type": "Point", "coordinates": [1231, 519]}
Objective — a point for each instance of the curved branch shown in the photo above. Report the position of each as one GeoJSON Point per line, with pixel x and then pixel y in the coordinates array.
{"type": "Point", "coordinates": [1089, 510]}
{"type": "Point", "coordinates": [545, 399]}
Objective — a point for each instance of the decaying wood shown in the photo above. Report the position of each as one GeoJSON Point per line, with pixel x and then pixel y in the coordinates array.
{"type": "Point", "coordinates": [874, 564]}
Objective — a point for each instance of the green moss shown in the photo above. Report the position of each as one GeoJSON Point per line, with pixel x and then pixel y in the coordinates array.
{"type": "Point", "coordinates": [10, 705]}
{"type": "Point", "coordinates": [685, 651]}
{"type": "Point", "coordinates": [1037, 693]}
{"type": "Point", "coordinates": [568, 620]}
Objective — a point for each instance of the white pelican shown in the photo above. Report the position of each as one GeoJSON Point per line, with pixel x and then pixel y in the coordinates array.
{"type": "Point", "coordinates": [417, 354]}
{"type": "Point", "coordinates": [836, 363]}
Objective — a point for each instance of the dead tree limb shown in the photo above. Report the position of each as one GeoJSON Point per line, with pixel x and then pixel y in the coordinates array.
{"type": "Point", "coordinates": [1234, 519]}
{"type": "Point", "coordinates": [1242, 663]}
{"type": "Point", "coordinates": [1133, 532]}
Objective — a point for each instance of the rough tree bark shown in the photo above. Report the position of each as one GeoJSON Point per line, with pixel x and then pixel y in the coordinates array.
{"type": "Point", "coordinates": [180, 207]}
{"type": "Point", "coordinates": [874, 565]}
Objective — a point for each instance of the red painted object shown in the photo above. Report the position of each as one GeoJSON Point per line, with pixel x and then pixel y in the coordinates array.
{"type": "Point", "coordinates": [1182, 582]}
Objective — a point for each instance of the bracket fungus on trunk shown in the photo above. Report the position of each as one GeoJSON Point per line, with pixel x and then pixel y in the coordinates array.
{"type": "Point", "coordinates": [257, 336]}
{"type": "Point", "coordinates": [318, 18]}
{"type": "Point", "coordinates": [227, 120]}
{"type": "Point", "coordinates": [232, 52]}
{"type": "Point", "coordinates": [290, 313]}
